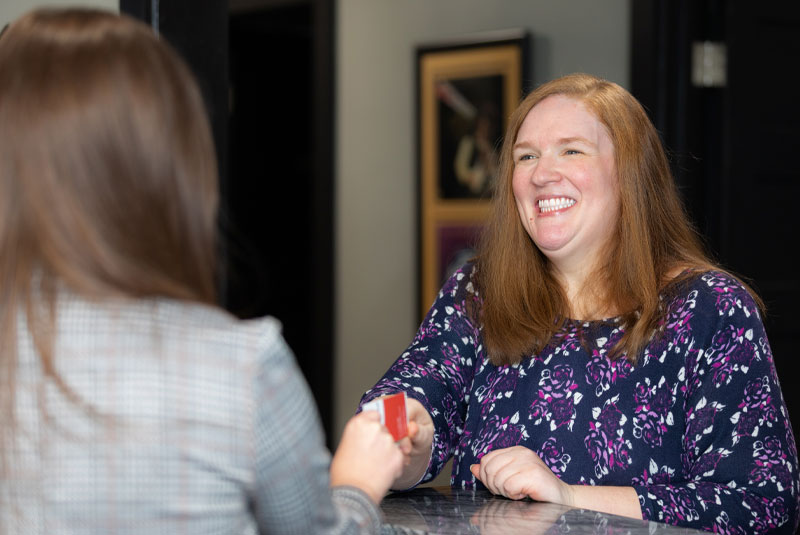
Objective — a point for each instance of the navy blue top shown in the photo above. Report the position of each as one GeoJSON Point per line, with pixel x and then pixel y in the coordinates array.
{"type": "Point", "coordinates": [698, 426]}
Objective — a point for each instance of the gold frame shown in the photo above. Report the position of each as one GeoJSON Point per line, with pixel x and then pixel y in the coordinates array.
{"type": "Point", "coordinates": [503, 57]}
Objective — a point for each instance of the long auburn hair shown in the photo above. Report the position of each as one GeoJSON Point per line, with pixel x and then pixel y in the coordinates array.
{"type": "Point", "coordinates": [522, 305]}
{"type": "Point", "coordinates": [108, 178]}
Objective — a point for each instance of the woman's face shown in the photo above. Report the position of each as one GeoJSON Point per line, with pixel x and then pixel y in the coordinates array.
{"type": "Point", "coordinates": [565, 182]}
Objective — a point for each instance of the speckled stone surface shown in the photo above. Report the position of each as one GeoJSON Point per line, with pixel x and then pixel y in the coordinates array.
{"type": "Point", "coordinates": [443, 510]}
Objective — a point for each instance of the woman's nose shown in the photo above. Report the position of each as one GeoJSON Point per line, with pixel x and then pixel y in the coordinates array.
{"type": "Point", "coordinates": [546, 171]}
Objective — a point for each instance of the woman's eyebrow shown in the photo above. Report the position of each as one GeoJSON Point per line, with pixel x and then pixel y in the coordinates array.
{"type": "Point", "coordinates": [575, 139]}
{"type": "Point", "coordinates": [560, 141]}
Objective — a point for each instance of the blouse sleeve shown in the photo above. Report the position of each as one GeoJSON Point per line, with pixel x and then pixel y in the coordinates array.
{"type": "Point", "coordinates": [739, 460]}
{"type": "Point", "coordinates": [437, 368]}
{"type": "Point", "coordinates": [291, 492]}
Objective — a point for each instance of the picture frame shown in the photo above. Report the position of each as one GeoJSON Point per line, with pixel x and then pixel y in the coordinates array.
{"type": "Point", "coordinates": [466, 90]}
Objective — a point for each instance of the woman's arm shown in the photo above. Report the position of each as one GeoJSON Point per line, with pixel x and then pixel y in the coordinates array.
{"type": "Point", "coordinates": [518, 472]}
{"type": "Point", "coordinates": [436, 373]}
{"type": "Point", "coordinates": [739, 461]}
{"type": "Point", "coordinates": [418, 443]}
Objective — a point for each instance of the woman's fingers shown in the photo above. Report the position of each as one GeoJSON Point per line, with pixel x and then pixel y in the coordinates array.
{"type": "Point", "coordinates": [510, 472]}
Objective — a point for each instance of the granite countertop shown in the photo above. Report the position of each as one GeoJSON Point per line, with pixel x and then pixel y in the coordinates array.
{"type": "Point", "coordinates": [443, 510]}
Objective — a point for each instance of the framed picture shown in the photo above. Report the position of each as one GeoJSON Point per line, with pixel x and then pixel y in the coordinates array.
{"type": "Point", "coordinates": [465, 92]}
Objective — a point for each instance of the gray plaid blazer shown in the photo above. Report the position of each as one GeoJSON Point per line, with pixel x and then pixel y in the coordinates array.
{"type": "Point", "coordinates": [185, 420]}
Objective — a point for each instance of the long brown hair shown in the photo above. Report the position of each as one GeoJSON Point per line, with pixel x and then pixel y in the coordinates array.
{"type": "Point", "coordinates": [108, 178]}
{"type": "Point", "coordinates": [523, 306]}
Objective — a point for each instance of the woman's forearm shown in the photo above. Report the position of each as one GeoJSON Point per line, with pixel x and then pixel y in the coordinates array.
{"type": "Point", "coordinates": [621, 501]}
{"type": "Point", "coordinates": [419, 445]}
{"type": "Point", "coordinates": [413, 472]}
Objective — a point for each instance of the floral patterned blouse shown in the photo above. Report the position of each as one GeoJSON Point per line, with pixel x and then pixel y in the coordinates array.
{"type": "Point", "coordinates": [698, 426]}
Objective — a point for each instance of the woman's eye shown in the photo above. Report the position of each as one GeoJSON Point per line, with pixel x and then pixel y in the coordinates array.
{"type": "Point", "coordinates": [525, 157]}
{"type": "Point", "coordinates": [572, 151]}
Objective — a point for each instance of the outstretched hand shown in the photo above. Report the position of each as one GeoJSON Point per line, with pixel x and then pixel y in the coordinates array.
{"type": "Point", "coordinates": [517, 473]}
{"type": "Point", "coordinates": [367, 456]}
{"type": "Point", "coordinates": [417, 445]}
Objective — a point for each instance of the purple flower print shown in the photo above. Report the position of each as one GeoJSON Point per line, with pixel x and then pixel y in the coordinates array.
{"type": "Point", "coordinates": [451, 413]}
{"type": "Point", "coordinates": [604, 441]}
{"type": "Point", "coordinates": [621, 450]}
{"type": "Point", "coordinates": [652, 412]}
{"type": "Point", "coordinates": [596, 443]}
{"type": "Point", "coordinates": [729, 347]}
{"type": "Point", "coordinates": [413, 364]}
{"type": "Point", "coordinates": [451, 285]}
{"type": "Point", "coordinates": [674, 329]}
{"type": "Point", "coordinates": [564, 343]}
{"type": "Point", "coordinates": [728, 297]}
{"type": "Point", "coordinates": [510, 436]}
{"type": "Point", "coordinates": [770, 464]}
{"type": "Point", "coordinates": [756, 409]}
{"type": "Point", "coordinates": [610, 418]}
{"type": "Point", "coordinates": [641, 393]}
{"type": "Point", "coordinates": [723, 526]}
{"type": "Point", "coordinates": [767, 513]}
{"type": "Point", "coordinates": [553, 456]}
{"type": "Point", "coordinates": [463, 328]}
{"type": "Point", "coordinates": [498, 433]}
{"type": "Point", "coordinates": [450, 371]}
{"type": "Point", "coordinates": [559, 412]}
{"type": "Point", "coordinates": [427, 331]}
{"type": "Point", "coordinates": [693, 379]}
{"type": "Point", "coordinates": [747, 424]}
{"type": "Point", "coordinates": [598, 371]}
{"type": "Point", "coordinates": [663, 399]}
{"type": "Point", "coordinates": [654, 475]}
{"type": "Point", "coordinates": [500, 383]}
{"type": "Point", "coordinates": [563, 411]}
{"type": "Point", "coordinates": [699, 422]}
{"type": "Point", "coordinates": [651, 432]}
{"type": "Point", "coordinates": [675, 504]}
{"type": "Point", "coordinates": [555, 401]}
{"type": "Point", "coordinates": [561, 379]}
{"type": "Point", "coordinates": [709, 493]}
{"type": "Point", "coordinates": [706, 464]}
{"type": "Point", "coordinates": [756, 394]}
{"type": "Point", "coordinates": [678, 321]}
{"type": "Point", "coordinates": [568, 345]}
{"type": "Point", "coordinates": [602, 372]}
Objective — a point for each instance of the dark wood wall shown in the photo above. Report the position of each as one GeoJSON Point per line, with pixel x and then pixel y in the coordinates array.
{"type": "Point", "coordinates": [266, 71]}
{"type": "Point", "coordinates": [734, 146]}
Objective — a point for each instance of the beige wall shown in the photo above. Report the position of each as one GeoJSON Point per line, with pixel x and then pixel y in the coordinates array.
{"type": "Point", "coordinates": [11, 9]}
{"type": "Point", "coordinates": [376, 251]}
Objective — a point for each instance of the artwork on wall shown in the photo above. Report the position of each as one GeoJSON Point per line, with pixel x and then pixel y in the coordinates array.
{"type": "Point", "coordinates": [465, 93]}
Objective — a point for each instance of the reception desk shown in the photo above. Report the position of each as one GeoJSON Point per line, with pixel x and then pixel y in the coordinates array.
{"type": "Point", "coordinates": [442, 510]}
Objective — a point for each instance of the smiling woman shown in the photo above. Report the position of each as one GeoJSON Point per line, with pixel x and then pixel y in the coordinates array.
{"type": "Point", "coordinates": [593, 355]}
{"type": "Point", "coordinates": [564, 183]}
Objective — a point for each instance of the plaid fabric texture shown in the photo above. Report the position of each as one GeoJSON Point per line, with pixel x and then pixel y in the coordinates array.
{"type": "Point", "coordinates": [186, 420]}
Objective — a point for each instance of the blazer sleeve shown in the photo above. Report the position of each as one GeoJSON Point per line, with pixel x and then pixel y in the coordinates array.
{"type": "Point", "coordinates": [291, 492]}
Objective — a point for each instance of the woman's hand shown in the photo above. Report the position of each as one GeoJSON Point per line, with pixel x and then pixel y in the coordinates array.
{"type": "Point", "coordinates": [417, 445]}
{"type": "Point", "coordinates": [367, 456]}
{"type": "Point", "coordinates": [518, 472]}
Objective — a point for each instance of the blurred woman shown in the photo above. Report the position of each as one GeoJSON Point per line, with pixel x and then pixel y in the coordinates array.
{"type": "Point", "coordinates": [129, 402]}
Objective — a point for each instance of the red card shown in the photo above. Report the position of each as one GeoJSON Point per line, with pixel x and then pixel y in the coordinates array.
{"type": "Point", "coordinates": [393, 413]}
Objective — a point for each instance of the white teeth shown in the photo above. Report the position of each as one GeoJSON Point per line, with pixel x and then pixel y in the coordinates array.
{"type": "Point", "coordinates": [558, 203]}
